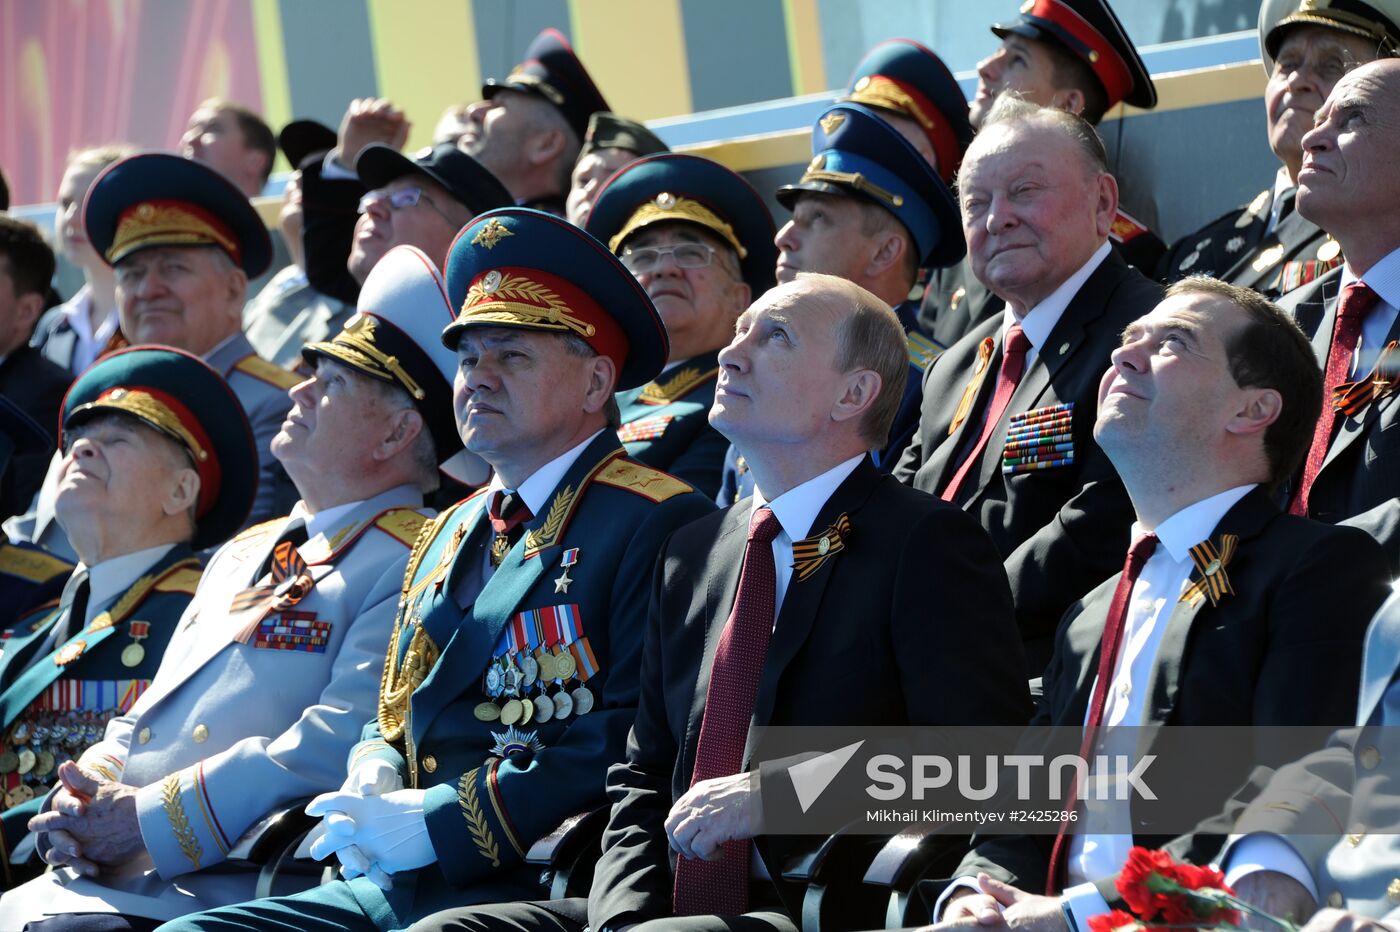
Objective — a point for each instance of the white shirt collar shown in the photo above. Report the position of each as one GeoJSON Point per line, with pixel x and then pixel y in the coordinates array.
{"type": "Point", "coordinates": [110, 578]}
{"type": "Point", "coordinates": [535, 490]}
{"type": "Point", "coordinates": [1193, 524]}
{"type": "Point", "coordinates": [1041, 319]}
{"type": "Point", "coordinates": [797, 508]}
{"type": "Point", "coordinates": [322, 521]}
{"type": "Point", "coordinates": [1383, 277]}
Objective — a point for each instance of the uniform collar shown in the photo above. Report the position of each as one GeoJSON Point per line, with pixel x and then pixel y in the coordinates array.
{"type": "Point", "coordinates": [1041, 319]}
{"type": "Point", "coordinates": [324, 520]}
{"type": "Point", "coordinates": [110, 578]}
{"type": "Point", "coordinates": [535, 490]}
{"type": "Point", "coordinates": [1194, 523]}
{"type": "Point", "coordinates": [798, 507]}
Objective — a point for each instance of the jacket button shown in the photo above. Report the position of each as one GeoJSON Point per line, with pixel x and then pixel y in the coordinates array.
{"type": "Point", "coordinates": [429, 763]}
{"type": "Point", "coordinates": [143, 736]}
{"type": "Point", "coordinates": [200, 733]}
{"type": "Point", "coordinates": [1335, 900]}
{"type": "Point", "coordinates": [1370, 757]}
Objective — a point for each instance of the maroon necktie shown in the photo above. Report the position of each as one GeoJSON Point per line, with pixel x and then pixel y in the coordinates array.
{"type": "Point", "coordinates": [1112, 640]}
{"type": "Point", "coordinates": [507, 512]}
{"type": "Point", "coordinates": [1013, 366]}
{"type": "Point", "coordinates": [722, 887]}
{"type": "Point", "coordinates": [1357, 301]}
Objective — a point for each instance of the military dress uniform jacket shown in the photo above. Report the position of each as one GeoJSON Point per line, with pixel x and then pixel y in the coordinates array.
{"type": "Point", "coordinates": [1358, 482]}
{"type": "Point", "coordinates": [666, 424]}
{"type": "Point", "coordinates": [1283, 650]}
{"type": "Point", "coordinates": [234, 727]}
{"type": "Point", "coordinates": [54, 705]}
{"type": "Point", "coordinates": [1060, 529]}
{"type": "Point", "coordinates": [923, 350]}
{"type": "Point", "coordinates": [574, 584]}
{"type": "Point", "coordinates": [1338, 807]}
{"type": "Point", "coordinates": [857, 642]}
{"type": "Point", "coordinates": [29, 577]}
{"type": "Point", "coordinates": [1235, 248]}
{"type": "Point", "coordinates": [288, 314]}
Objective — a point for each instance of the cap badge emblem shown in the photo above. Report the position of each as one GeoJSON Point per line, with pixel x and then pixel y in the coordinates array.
{"type": "Point", "coordinates": [491, 233]}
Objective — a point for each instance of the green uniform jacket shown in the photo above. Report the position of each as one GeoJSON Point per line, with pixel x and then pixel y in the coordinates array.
{"type": "Point", "coordinates": [666, 424]}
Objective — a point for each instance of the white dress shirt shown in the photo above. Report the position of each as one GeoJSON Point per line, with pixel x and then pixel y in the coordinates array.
{"type": "Point", "coordinates": [88, 342]}
{"type": "Point", "coordinates": [106, 583]}
{"type": "Point", "coordinates": [324, 520]}
{"type": "Point", "coordinates": [1384, 280]}
{"type": "Point", "coordinates": [1041, 319]}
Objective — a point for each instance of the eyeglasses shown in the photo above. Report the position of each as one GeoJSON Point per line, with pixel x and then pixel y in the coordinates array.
{"type": "Point", "coordinates": [686, 256]}
{"type": "Point", "coordinates": [399, 200]}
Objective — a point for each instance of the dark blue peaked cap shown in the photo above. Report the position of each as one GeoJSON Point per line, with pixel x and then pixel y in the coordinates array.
{"type": "Point", "coordinates": [689, 189]}
{"type": "Point", "coordinates": [858, 154]}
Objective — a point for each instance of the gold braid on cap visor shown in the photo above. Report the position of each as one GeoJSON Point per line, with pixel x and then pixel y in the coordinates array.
{"type": "Point", "coordinates": [516, 300]}
{"type": "Point", "coordinates": [536, 83]}
{"type": "Point", "coordinates": [677, 208]}
{"type": "Point", "coordinates": [858, 181]}
{"type": "Point", "coordinates": [879, 91]}
{"type": "Point", "coordinates": [357, 342]}
{"type": "Point", "coordinates": [166, 224]}
{"type": "Point", "coordinates": [151, 410]}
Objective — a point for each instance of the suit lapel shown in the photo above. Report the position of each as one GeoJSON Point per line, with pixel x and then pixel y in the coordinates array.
{"type": "Point", "coordinates": [1246, 520]}
{"type": "Point", "coordinates": [803, 599]}
{"type": "Point", "coordinates": [953, 444]}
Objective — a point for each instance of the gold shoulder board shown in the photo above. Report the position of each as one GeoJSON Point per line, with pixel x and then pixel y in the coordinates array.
{"type": "Point", "coordinates": [265, 371]}
{"type": "Point", "coordinates": [642, 480]}
{"type": "Point", "coordinates": [402, 524]}
{"type": "Point", "coordinates": [185, 580]}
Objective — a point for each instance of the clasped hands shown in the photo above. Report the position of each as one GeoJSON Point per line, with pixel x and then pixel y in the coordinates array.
{"type": "Point", "coordinates": [373, 825]}
{"type": "Point", "coordinates": [90, 824]}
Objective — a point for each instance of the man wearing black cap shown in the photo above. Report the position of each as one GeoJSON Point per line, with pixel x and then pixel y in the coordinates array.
{"type": "Point", "coordinates": [183, 242]}
{"type": "Point", "coordinates": [700, 241]}
{"type": "Point", "coordinates": [1070, 54]}
{"type": "Point", "coordinates": [157, 458]}
{"type": "Point", "coordinates": [530, 128]}
{"type": "Point", "coordinates": [272, 671]}
{"type": "Point", "coordinates": [611, 142]}
{"type": "Point", "coordinates": [1306, 47]}
{"type": "Point", "coordinates": [512, 675]}
{"type": "Point", "coordinates": [289, 313]}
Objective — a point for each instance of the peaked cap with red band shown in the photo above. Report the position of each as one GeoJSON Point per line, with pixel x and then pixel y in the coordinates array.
{"type": "Point", "coordinates": [551, 70]}
{"type": "Point", "coordinates": [523, 268]}
{"type": "Point", "coordinates": [158, 199]}
{"type": "Point", "coordinates": [901, 76]}
{"type": "Point", "coordinates": [1090, 31]}
{"type": "Point", "coordinates": [177, 394]}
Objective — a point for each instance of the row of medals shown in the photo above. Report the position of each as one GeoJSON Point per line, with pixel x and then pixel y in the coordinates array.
{"type": "Point", "coordinates": [34, 750]}
{"type": "Point", "coordinates": [508, 683]}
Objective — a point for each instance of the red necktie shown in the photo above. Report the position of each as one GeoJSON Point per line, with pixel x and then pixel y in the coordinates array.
{"type": "Point", "coordinates": [1109, 646]}
{"type": "Point", "coordinates": [722, 887]}
{"type": "Point", "coordinates": [1013, 365]}
{"type": "Point", "coordinates": [506, 512]}
{"type": "Point", "coordinates": [1357, 301]}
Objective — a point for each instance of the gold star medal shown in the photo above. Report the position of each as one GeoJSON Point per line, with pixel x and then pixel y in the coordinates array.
{"type": "Point", "coordinates": [569, 559]}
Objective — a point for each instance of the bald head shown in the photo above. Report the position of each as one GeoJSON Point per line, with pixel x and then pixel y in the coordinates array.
{"type": "Point", "coordinates": [1349, 169]}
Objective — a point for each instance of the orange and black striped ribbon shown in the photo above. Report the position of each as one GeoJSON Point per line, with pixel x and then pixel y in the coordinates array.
{"type": "Point", "coordinates": [1211, 561]}
{"type": "Point", "coordinates": [261, 601]}
{"type": "Point", "coordinates": [808, 554]}
{"type": "Point", "coordinates": [1352, 397]}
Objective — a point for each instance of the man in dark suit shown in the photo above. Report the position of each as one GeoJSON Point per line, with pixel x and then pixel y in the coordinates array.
{"type": "Point", "coordinates": [1056, 511]}
{"type": "Point", "coordinates": [32, 382]}
{"type": "Point", "coordinates": [1347, 176]}
{"type": "Point", "coordinates": [1070, 54]}
{"type": "Point", "coordinates": [1267, 245]}
{"type": "Point", "coordinates": [1214, 620]}
{"type": "Point", "coordinates": [815, 575]}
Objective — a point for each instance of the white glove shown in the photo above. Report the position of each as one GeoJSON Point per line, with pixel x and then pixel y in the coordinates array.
{"type": "Point", "coordinates": [388, 830]}
{"type": "Point", "coordinates": [373, 777]}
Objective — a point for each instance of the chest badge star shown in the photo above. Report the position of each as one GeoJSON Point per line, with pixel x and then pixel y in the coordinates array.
{"type": "Point", "coordinates": [569, 559]}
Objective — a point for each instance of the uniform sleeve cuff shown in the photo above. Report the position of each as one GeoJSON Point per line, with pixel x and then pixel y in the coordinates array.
{"type": "Point", "coordinates": [1082, 901]}
{"type": "Point", "coordinates": [1262, 851]}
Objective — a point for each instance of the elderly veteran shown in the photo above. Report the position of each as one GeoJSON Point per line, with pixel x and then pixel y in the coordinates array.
{"type": "Point", "coordinates": [1073, 55]}
{"type": "Point", "coordinates": [157, 459]}
{"type": "Point", "coordinates": [610, 143]}
{"type": "Point", "coordinates": [530, 127]}
{"type": "Point", "coordinates": [873, 211]}
{"type": "Point", "coordinates": [512, 676]}
{"type": "Point", "coordinates": [183, 242]}
{"type": "Point", "coordinates": [1266, 244]}
{"type": "Point", "coordinates": [700, 241]}
{"type": "Point", "coordinates": [273, 670]}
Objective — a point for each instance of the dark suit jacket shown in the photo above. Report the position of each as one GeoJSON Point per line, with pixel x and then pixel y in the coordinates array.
{"type": "Point", "coordinates": [37, 386]}
{"type": "Point", "coordinates": [1359, 482]}
{"type": "Point", "coordinates": [329, 211]}
{"type": "Point", "coordinates": [866, 608]}
{"type": "Point", "coordinates": [1060, 530]}
{"type": "Point", "coordinates": [1284, 650]}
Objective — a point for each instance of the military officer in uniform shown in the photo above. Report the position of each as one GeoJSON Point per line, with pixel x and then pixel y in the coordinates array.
{"type": "Point", "coordinates": [272, 671]}
{"type": "Point", "coordinates": [610, 143]}
{"type": "Point", "coordinates": [157, 458]}
{"type": "Point", "coordinates": [512, 676]}
{"type": "Point", "coordinates": [1267, 245]}
{"type": "Point", "coordinates": [183, 242]}
{"type": "Point", "coordinates": [1071, 54]}
{"type": "Point", "coordinates": [700, 241]}
{"type": "Point", "coordinates": [289, 312]}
